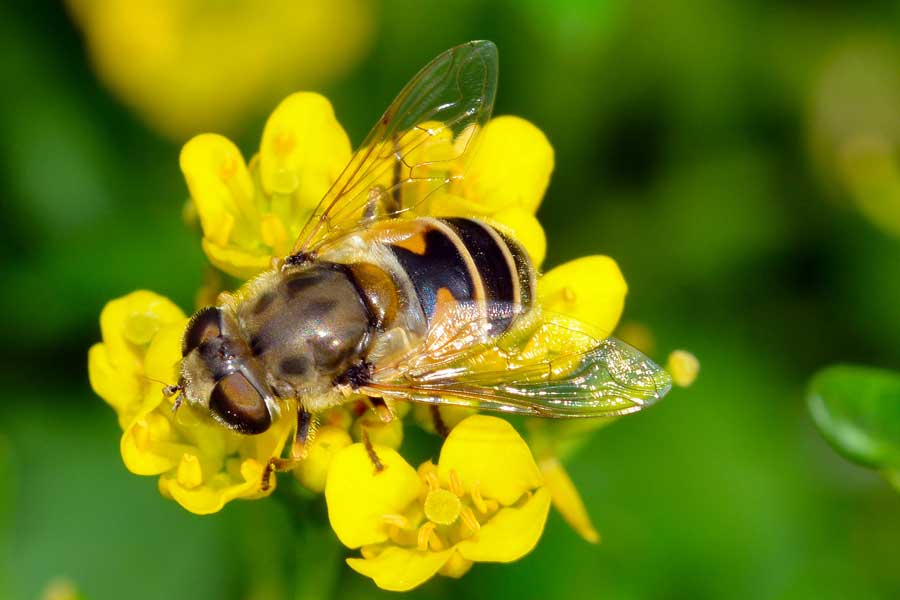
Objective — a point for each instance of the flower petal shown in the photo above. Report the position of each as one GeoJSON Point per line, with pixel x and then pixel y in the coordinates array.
{"type": "Point", "coordinates": [510, 534]}
{"type": "Point", "coordinates": [303, 149]}
{"type": "Point", "coordinates": [567, 500]}
{"type": "Point", "coordinates": [487, 451]}
{"type": "Point", "coordinates": [128, 323]}
{"type": "Point", "coordinates": [456, 566]}
{"type": "Point", "coordinates": [445, 204]}
{"type": "Point", "coordinates": [400, 569]}
{"type": "Point", "coordinates": [239, 263]}
{"type": "Point", "coordinates": [117, 386]}
{"type": "Point", "coordinates": [220, 185]}
{"type": "Point", "coordinates": [149, 447]}
{"type": "Point", "coordinates": [511, 167]}
{"type": "Point", "coordinates": [212, 496]}
{"type": "Point", "coordinates": [590, 289]}
{"type": "Point", "coordinates": [353, 477]}
{"type": "Point", "coordinates": [522, 226]}
{"type": "Point", "coordinates": [164, 354]}
{"type": "Point", "coordinates": [115, 366]}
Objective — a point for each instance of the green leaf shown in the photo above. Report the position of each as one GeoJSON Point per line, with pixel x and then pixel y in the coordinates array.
{"type": "Point", "coordinates": [857, 409]}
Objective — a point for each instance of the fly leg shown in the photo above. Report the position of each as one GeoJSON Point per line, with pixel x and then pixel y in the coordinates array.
{"type": "Point", "coordinates": [381, 409]}
{"type": "Point", "coordinates": [390, 199]}
{"type": "Point", "coordinates": [438, 421]}
{"type": "Point", "coordinates": [305, 432]}
{"type": "Point", "coordinates": [370, 450]}
{"type": "Point", "coordinates": [380, 203]}
{"type": "Point", "coordinates": [385, 415]}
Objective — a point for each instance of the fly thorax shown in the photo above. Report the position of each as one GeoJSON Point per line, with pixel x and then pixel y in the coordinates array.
{"type": "Point", "coordinates": [306, 327]}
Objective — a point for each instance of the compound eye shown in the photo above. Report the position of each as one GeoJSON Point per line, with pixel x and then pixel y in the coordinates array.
{"type": "Point", "coordinates": [237, 403]}
{"type": "Point", "coordinates": [205, 325]}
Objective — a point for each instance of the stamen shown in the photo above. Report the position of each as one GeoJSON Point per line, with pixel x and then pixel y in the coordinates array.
{"type": "Point", "coordinates": [477, 500]}
{"type": "Point", "coordinates": [425, 533]}
{"type": "Point", "coordinates": [189, 474]}
{"type": "Point", "coordinates": [396, 520]}
{"type": "Point", "coordinates": [469, 520]}
{"type": "Point", "coordinates": [431, 480]}
{"type": "Point", "coordinates": [435, 541]}
{"type": "Point", "coordinates": [456, 486]}
{"type": "Point", "coordinates": [274, 234]}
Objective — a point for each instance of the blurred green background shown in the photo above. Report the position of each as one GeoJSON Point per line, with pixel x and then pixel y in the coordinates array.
{"type": "Point", "coordinates": [739, 160]}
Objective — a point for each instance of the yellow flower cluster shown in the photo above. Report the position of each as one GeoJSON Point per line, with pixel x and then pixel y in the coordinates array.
{"type": "Point", "coordinates": [471, 506]}
{"type": "Point", "coordinates": [253, 212]}
{"type": "Point", "coordinates": [200, 464]}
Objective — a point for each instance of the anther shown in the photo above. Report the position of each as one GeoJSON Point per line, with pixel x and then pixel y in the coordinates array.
{"type": "Point", "coordinates": [425, 533]}
{"type": "Point", "coordinates": [456, 486]}
{"type": "Point", "coordinates": [477, 500]}
{"type": "Point", "coordinates": [468, 518]}
{"type": "Point", "coordinates": [396, 520]}
{"type": "Point", "coordinates": [435, 542]}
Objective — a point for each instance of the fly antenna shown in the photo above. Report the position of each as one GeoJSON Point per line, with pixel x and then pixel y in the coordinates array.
{"type": "Point", "coordinates": [170, 390]}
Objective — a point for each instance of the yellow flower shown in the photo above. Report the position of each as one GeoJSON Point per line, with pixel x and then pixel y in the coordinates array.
{"type": "Point", "coordinates": [854, 138]}
{"type": "Point", "coordinates": [484, 501]}
{"type": "Point", "coordinates": [592, 290]}
{"type": "Point", "coordinates": [200, 464]}
{"type": "Point", "coordinates": [198, 65]}
{"type": "Point", "coordinates": [253, 212]}
{"type": "Point", "coordinates": [249, 215]}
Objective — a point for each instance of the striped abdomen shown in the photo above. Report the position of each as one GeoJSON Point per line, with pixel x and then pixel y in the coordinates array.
{"type": "Point", "coordinates": [464, 260]}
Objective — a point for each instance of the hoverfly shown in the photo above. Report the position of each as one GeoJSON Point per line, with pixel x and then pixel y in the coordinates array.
{"type": "Point", "coordinates": [378, 302]}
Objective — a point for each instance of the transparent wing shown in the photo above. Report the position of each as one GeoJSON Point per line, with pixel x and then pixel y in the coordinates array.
{"type": "Point", "coordinates": [551, 366]}
{"type": "Point", "coordinates": [423, 141]}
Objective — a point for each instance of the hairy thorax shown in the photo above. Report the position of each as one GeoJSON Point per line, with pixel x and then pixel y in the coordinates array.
{"type": "Point", "coordinates": [305, 328]}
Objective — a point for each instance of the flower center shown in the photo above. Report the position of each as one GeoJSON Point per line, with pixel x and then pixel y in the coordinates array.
{"type": "Point", "coordinates": [442, 506]}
